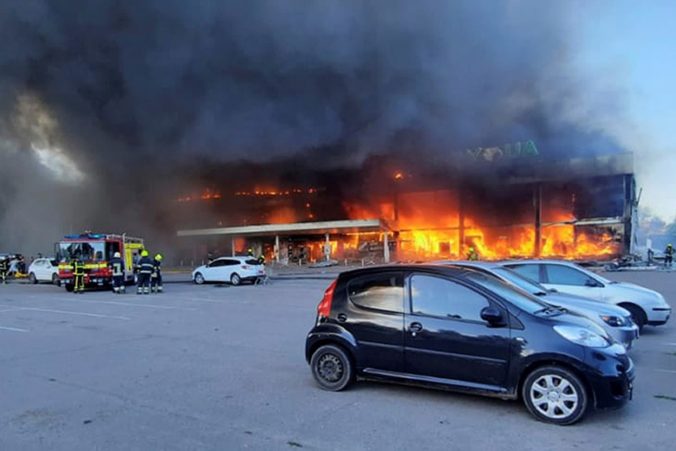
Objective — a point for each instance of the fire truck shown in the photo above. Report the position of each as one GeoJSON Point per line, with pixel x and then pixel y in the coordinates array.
{"type": "Point", "coordinates": [95, 250]}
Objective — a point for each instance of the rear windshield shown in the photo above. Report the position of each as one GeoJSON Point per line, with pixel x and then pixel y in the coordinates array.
{"type": "Point", "coordinates": [518, 297]}
{"type": "Point", "coordinates": [252, 262]}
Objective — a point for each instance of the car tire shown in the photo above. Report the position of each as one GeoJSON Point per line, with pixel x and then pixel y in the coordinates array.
{"type": "Point", "coordinates": [332, 368]}
{"type": "Point", "coordinates": [235, 279]}
{"type": "Point", "coordinates": [638, 316]}
{"type": "Point", "coordinates": [69, 287]}
{"type": "Point", "coordinates": [553, 394]}
{"type": "Point", "coordinates": [32, 278]}
{"type": "Point", "coordinates": [199, 278]}
{"type": "Point", "coordinates": [55, 280]}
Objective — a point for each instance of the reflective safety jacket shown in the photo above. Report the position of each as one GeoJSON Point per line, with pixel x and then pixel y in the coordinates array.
{"type": "Point", "coordinates": [157, 267]}
{"type": "Point", "coordinates": [4, 265]}
{"type": "Point", "coordinates": [145, 265]}
{"type": "Point", "coordinates": [116, 266]}
{"type": "Point", "coordinates": [78, 268]}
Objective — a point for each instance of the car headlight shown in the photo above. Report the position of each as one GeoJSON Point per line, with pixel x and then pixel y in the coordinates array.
{"type": "Point", "coordinates": [582, 336]}
{"type": "Point", "coordinates": [614, 321]}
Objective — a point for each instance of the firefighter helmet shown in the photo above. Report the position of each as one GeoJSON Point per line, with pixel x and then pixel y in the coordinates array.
{"type": "Point", "coordinates": [116, 255]}
{"type": "Point", "coordinates": [144, 253]}
{"type": "Point", "coordinates": [158, 257]}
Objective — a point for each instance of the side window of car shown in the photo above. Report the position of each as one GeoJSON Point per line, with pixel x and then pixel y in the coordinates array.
{"type": "Point", "coordinates": [383, 291]}
{"type": "Point", "coordinates": [231, 262]}
{"type": "Point", "coordinates": [531, 272]}
{"type": "Point", "coordinates": [217, 263]}
{"type": "Point", "coordinates": [565, 275]}
{"type": "Point", "coordinates": [440, 297]}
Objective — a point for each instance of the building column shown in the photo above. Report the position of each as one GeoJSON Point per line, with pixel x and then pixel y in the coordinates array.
{"type": "Point", "coordinates": [232, 244]}
{"type": "Point", "coordinates": [537, 206]}
{"type": "Point", "coordinates": [461, 224]}
{"type": "Point", "coordinates": [276, 251]}
{"type": "Point", "coordinates": [386, 248]}
{"type": "Point", "coordinates": [327, 247]}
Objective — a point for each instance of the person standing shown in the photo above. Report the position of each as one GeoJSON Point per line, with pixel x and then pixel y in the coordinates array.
{"type": "Point", "coordinates": [4, 267]}
{"type": "Point", "coordinates": [78, 276]}
{"type": "Point", "coordinates": [156, 284]}
{"type": "Point", "coordinates": [145, 270]}
{"type": "Point", "coordinates": [116, 266]}
{"type": "Point", "coordinates": [669, 256]}
{"type": "Point", "coordinates": [472, 255]}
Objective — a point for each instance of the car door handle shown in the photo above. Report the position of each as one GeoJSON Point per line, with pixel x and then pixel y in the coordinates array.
{"type": "Point", "coordinates": [414, 328]}
{"type": "Point", "coordinates": [342, 317]}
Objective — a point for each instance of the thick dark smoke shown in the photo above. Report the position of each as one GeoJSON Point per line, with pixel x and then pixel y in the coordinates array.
{"type": "Point", "coordinates": [107, 107]}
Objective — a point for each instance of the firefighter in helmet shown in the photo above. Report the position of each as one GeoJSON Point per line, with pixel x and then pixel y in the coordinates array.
{"type": "Point", "coordinates": [249, 252]}
{"type": "Point", "coordinates": [4, 267]}
{"type": "Point", "coordinates": [472, 255]}
{"type": "Point", "coordinates": [78, 275]}
{"type": "Point", "coordinates": [669, 256]}
{"type": "Point", "coordinates": [145, 270]}
{"type": "Point", "coordinates": [156, 278]}
{"type": "Point", "coordinates": [116, 266]}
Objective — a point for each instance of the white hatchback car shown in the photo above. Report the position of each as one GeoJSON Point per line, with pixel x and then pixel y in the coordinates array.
{"type": "Point", "coordinates": [234, 270]}
{"type": "Point", "coordinates": [44, 270]}
{"type": "Point", "coordinates": [646, 306]}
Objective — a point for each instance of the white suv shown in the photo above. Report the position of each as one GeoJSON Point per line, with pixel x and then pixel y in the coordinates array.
{"type": "Point", "coordinates": [44, 270]}
{"type": "Point", "coordinates": [646, 306]}
{"type": "Point", "coordinates": [230, 269]}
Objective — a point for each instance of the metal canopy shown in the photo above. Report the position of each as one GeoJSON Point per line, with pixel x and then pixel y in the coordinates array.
{"type": "Point", "coordinates": [297, 228]}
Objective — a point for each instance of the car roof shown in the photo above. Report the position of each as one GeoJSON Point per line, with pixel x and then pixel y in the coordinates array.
{"type": "Point", "coordinates": [237, 257]}
{"type": "Point", "coordinates": [426, 267]}
{"type": "Point", "coordinates": [536, 261]}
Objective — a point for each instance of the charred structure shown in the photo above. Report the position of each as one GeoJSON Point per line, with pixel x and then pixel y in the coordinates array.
{"type": "Point", "coordinates": [509, 206]}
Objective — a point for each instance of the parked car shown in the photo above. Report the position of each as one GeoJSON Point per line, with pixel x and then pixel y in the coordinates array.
{"type": "Point", "coordinates": [467, 331]}
{"type": "Point", "coordinates": [646, 306]}
{"type": "Point", "coordinates": [234, 270]}
{"type": "Point", "coordinates": [44, 270]}
{"type": "Point", "coordinates": [615, 320]}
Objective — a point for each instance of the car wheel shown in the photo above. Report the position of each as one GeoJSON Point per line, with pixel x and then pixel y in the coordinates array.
{"type": "Point", "coordinates": [32, 278]}
{"type": "Point", "coordinates": [235, 279]}
{"type": "Point", "coordinates": [199, 278]}
{"type": "Point", "coordinates": [555, 395]}
{"type": "Point", "coordinates": [69, 287]}
{"type": "Point", "coordinates": [638, 316]}
{"type": "Point", "coordinates": [55, 280]}
{"type": "Point", "coordinates": [331, 368]}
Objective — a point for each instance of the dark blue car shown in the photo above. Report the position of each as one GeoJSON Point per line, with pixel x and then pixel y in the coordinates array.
{"type": "Point", "coordinates": [467, 331]}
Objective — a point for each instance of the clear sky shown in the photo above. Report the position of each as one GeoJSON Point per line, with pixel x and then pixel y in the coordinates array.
{"type": "Point", "coordinates": [629, 48]}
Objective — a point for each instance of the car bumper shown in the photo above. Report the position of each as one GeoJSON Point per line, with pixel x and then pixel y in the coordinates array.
{"type": "Point", "coordinates": [611, 380]}
{"type": "Point", "coordinates": [659, 316]}
{"type": "Point", "coordinates": [625, 335]}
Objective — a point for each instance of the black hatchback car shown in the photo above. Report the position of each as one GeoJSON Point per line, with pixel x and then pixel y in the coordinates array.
{"type": "Point", "coordinates": [468, 331]}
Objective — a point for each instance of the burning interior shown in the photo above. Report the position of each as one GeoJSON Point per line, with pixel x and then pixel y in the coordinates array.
{"type": "Point", "coordinates": [402, 210]}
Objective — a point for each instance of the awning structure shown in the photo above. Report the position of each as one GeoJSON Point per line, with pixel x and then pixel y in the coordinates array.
{"type": "Point", "coordinates": [296, 228]}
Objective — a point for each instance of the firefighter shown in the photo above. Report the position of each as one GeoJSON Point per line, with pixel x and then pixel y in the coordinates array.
{"type": "Point", "coordinates": [156, 281]}
{"type": "Point", "coordinates": [669, 256]}
{"type": "Point", "coordinates": [4, 267]}
{"type": "Point", "coordinates": [472, 255]}
{"type": "Point", "coordinates": [116, 266]}
{"type": "Point", "coordinates": [261, 259]}
{"type": "Point", "coordinates": [78, 276]}
{"type": "Point", "coordinates": [249, 252]}
{"type": "Point", "coordinates": [145, 270]}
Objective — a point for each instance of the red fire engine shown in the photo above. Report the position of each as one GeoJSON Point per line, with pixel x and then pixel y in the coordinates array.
{"type": "Point", "coordinates": [95, 250]}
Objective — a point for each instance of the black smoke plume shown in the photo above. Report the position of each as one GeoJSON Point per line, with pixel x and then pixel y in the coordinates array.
{"type": "Point", "coordinates": [109, 109]}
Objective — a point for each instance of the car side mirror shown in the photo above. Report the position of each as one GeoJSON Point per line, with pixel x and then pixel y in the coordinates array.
{"type": "Point", "coordinates": [591, 283]}
{"type": "Point", "coordinates": [492, 316]}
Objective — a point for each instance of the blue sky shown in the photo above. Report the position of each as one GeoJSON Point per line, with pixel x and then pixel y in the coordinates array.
{"type": "Point", "coordinates": [629, 48]}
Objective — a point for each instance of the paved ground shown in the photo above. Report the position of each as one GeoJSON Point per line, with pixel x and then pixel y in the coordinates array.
{"type": "Point", "coordinates": [214, 367]}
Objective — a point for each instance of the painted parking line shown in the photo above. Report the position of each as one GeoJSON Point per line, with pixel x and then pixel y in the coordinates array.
{"type": "Point", "coordinates": [69, 312]}
{"type": "Point", "coordinates": [155, 306]}
{"type": "Point", "coordinates": [13, 329]}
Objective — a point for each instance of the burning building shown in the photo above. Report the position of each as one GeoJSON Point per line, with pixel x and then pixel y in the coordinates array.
{"type": "Point", "coordinates": [503, 202]}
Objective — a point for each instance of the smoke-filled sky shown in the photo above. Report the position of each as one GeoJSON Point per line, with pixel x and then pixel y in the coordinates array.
{"type": "Point", "coordinates": [105, 105]}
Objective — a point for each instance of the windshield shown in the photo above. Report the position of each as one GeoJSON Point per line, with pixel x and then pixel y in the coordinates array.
{"type": "Point", "coordinates": [518, 297]}
{"type": "Point", "coordinates": [520, 281]}
{"type": "Point", "coordinates": [93, 251]}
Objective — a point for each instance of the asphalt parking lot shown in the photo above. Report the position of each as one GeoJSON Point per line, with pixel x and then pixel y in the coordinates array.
{"type": "Point", "coordinates": [217, 367]}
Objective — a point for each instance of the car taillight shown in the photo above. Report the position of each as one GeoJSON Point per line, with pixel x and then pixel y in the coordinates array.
{"type": "Point", "coordinates": [324, 307]}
